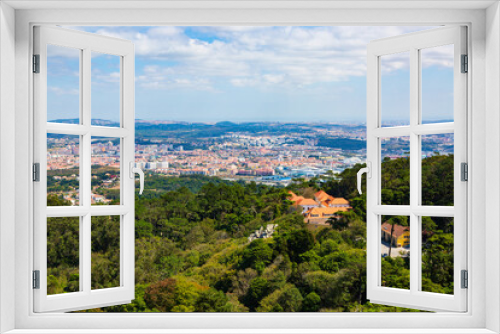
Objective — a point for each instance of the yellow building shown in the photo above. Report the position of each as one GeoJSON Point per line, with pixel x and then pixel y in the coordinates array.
{"type": "Point", "coordinates": [400, 235]}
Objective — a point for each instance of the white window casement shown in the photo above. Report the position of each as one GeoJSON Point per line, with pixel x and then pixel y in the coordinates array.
{"type": "Point", "coordinates": [84, 45]}
{"type": "Point", "coordinates": [413, 46]}
{"type": "Point", "coordinates": [476, 122]}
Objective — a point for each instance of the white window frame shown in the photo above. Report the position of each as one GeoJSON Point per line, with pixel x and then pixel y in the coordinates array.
{"type": "Point", "coordinates": [484, 50]}
{"type": "Point", "coordinates": [85, 43]}
{"type": "Point", "coordinates": [413, 44]}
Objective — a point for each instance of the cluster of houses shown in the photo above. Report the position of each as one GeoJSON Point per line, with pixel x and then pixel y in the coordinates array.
{"type": "Point", "coordinates": [317, 211]}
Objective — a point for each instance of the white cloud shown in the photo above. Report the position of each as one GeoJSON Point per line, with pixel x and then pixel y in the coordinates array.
{"type": "Point", "coordinates": [274, 78]}
{"type": "Point", "coordinates": [244, 82]}
{"type": "Point", "coordinates": [100, 77]}
{"type": "Point", "coordinates": [440, 56]}
{"type": "Point", "coordinates": [61, 91]}
{"type": "Point", "coordinates": [156, 77]}
{"type": "Point", "coordinates": [256, 56]}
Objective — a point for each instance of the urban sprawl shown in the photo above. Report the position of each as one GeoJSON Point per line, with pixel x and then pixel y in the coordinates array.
{"type": "Point", "coordinates": [269, 153]}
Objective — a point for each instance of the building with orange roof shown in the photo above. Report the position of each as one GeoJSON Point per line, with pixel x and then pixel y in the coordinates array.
{"type": "Point", "coordinates": [330, 201]}
{"type": "Point", "coordinates": [294, 198]}
{"type": "Point", "coordinates": [298, 199]}
{"type": "Point", "coordinates": [307, 203]}
{"type": "Point", "coordinates": [320, 216]}
{"type": "Point", "coordinates": [321, 200]}
{"type": "Point", "coordinates": [292, 195]}
{"type": "Point", "coordinates": [322, 196]}
{"type": "Point", "coordinates": [339, 202]}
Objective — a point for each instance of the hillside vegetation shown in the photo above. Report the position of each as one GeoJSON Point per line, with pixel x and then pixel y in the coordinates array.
{"type": "Point", "coordinates": [193, 255]}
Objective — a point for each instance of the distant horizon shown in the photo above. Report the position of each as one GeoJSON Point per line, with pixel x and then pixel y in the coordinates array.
{"type": "Point", "coordinates": [214, 122]}
{"type": "Point", "coordinates": [171, 121]}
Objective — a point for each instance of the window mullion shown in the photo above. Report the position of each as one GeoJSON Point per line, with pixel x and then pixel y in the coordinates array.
{"type": "Point", "coordinates": [415, 175]}
{"type": "Point", "coordinates": [86, 156]}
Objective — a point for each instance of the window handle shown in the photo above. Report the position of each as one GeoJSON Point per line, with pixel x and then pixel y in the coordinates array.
{"type": "Point", "coordinates": [368, 171]}
{"type": "Point", "coordinates": [135, 170]}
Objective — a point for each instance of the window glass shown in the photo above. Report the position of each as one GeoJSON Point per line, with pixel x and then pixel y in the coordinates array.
{"type": "Point", "coordinates": [438, 169]}
{"type": "Point", "coordinates": [63, 170]}
{"type": "Point", "coordinates": [105, 171]}
{"type": "Point", "coordinates": [63, 84]}
{"type": "Point", "coordinates": [105, 252]}
{"type": "Point", "coordinates": [437, 84]}
{"type": "Point", "coordinates": [395, 170]}
{"type": "Point", "coordinates": [437, 254]}
{"type": "Point", "coordinates": [63, 255]}
{"type": "Point", "coordinates": [106, 95]}
{"type": "Point", "coordinates": [395, 251]}
{"type": "Point", "coordinates": [395, 89]}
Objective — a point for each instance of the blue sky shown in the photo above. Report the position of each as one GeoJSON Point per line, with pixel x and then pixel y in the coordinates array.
{"type": "Point", "coordinates": [244, 73]}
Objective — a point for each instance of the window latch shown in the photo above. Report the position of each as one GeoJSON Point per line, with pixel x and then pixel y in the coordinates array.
{"type": "Point", "coordinates": [368, 171]}
{"type": "Point", "coordinates": [134, 170]}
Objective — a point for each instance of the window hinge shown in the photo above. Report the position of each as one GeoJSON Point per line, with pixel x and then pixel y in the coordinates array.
{"type": "Point", "coordinates": [464, 172]}
{"type": "Point", "coordinates": [465, 279]}
{"type": "Point", "coordinates": [465, 64]}
{"type": "Point", "coordinates": [36, 63]}
{"type": "Point", "coordinates": [36, 279]}
{"type": "Point", "coordinates": [36, 172]}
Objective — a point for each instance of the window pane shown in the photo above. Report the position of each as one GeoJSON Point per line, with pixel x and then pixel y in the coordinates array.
{"type": "Point", "coordinates": [437, 254]}
{"type": "Point", "coordinates": [395, 251]}
{"type": "Point", "coordinates": [105, 252]}
{"type": "Point", "coordinates": [63, 170]}
{"type": "Point", "coordinates": [437, 169]}
{"type": "Point", "coordinates": [63, 84]}
{"type": "Point", "coordinates": [437, 84]}
{"type": "Point", "coordinates": [395, 89]}
{"type": "Point", "coordinates": [63, 255]}
{"type": "Point", "coordinates": [105, 171]}
{"type": "Point", "coordinates": [395, 170]}
{"type": "Point", "coordinates": [105, 89]}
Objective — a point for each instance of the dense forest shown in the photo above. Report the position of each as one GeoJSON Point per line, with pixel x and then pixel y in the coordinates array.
{"type": "Point", "coordinates": [193, 254]}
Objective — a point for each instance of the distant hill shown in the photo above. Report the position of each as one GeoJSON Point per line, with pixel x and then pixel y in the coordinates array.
{"type": "Point", "coordinates": [202, 130]}
{"type": "Point", "coordinates": [67, 121]}
{"type": "Point", "coordinates": [101, 122]}
{"type": "Point", "coordinates": [190, 133]}
{"type": "Point", "coordinates": [226, 123]}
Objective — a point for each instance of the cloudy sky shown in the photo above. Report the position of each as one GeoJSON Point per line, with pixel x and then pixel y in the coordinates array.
{"type": "Point", "coordinates": [243, 73]}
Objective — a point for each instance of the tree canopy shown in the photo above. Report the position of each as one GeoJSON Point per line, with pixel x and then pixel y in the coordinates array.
{"type": "Point", "coordinates": [193, 254]}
